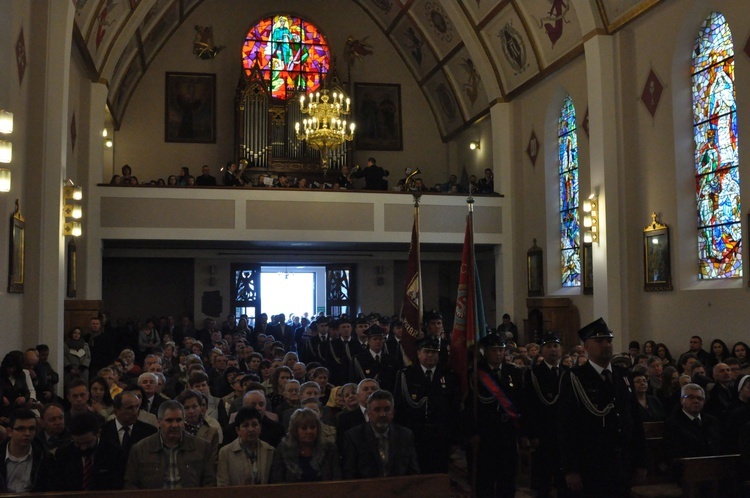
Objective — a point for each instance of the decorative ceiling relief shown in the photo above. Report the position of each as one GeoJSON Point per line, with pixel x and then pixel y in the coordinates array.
{"type": "Point", "coordinates": [126, 88]}
{"type": "Point", "coordinates": [532, 149]}
{"type": "Point", "coordinates": [443, 102]}
{"type": "Point", "coordinates": [85, 11]}
{"type": "Point", "coordinates": [510, 48]}
{"type": "Point", "coordinates": [122, 65]}
{"type": "Point", "coordinates": [652, 91]}
{"type": "Point", "coordinates": [465, 78]}
{"type": "Point", "coordinates": [162, 29]}
{"type": "Point", "coordinates": [109, 19]}
{"type": "Point", "coordinates": [411, 43]}
{"type": "Point", "coordinates": [555, 30]}
{"type": "Point", "coordinates": [617, 13]}
{"type": "Point", "coordinates": [383, 11]}
{"type": "Point", "coordinates": [434, 22]}
{"type": "Point", "coordinates": [478, 9]}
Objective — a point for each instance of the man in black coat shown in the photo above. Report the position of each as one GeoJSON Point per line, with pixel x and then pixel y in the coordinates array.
{"type": "Point", "coordinates": [88, 463]}
{"type": "Point", "coordinates": [495, 424]}
{"type": "Point", "coordinates": [353, 418]}
{"type": "Point", "coordinates": [124, 430]}
{"type": "Point", "coordinates": [345, 348]}
{"type": "Point", "coordinates": [374, 363]}
{"type": "Point", "coordinates": [428, 402]}
{"type": "Point", "coordinates": [689, 432]}
{"type": "Point", "coordinates": [379, 448]}
{"type": "Point", "coordinates": [539, 422]}
{"type": "Point", "coordinates": [601, 434]}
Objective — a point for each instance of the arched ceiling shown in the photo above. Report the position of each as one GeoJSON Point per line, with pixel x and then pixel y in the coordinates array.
{"type": "Point", "coordinates": [464, 54]}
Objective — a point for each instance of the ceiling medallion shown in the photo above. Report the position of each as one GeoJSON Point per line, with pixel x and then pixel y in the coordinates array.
{"type": "Point", "coordinates": [513, 48]}
{"type": "Point", "coordinates": [439, 21]}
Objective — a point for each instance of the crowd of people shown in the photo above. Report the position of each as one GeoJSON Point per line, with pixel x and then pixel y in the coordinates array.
{"type": "Point", "coordinates": [163, 404]}
{"type": "Point", "coordinates": [341, 179]}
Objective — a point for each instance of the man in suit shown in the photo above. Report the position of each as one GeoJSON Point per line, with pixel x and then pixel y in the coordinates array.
{"type": "Point", "coordinates": [374, 363]}
{"type": "Point", "coordinates": [174, 458]}
{"type": "Point", "coordinates": [428, 402]}
{"type": "Point", "coordinates": [125, 430]}
{"type": "Point", "coordinates": [52, 433]}
{"type": "Point", "coordinates": [348, 420]}
{"type": "Point", "coordinates": [88, 463]}
{"type": "Point", "coordinates": [539, 421]}
{"type": "Point", "coordinates": [283, 333]}
{"type": "Point", "coordinates": [495, 424]}
{"type": "Point", "coordinates": [597, 405]}
{"type": "Point", "coordinates": [379, 448]}
{"type": "Point", "coordinates": [150, 384]}
{"type": "Point", "coordinates": [689, 432]}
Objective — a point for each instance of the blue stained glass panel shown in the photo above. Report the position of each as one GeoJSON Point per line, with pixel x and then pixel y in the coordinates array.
{"type": "Point", "coordinates": [570, 233]}
{"type": "Point", "coordinates": [716, 157]}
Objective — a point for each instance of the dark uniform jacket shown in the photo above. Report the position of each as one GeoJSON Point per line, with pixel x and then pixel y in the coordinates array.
{"type": "Point", "coordinates": [541, 388]}
{"type": "Point", "coordinates": [421, 405]}
{"type": "Point", "coordinates": [603, 448]}
{"type": "Point", "coordinates": [492, 421]}
{"type": "Point", "coordinates": [364, 366]}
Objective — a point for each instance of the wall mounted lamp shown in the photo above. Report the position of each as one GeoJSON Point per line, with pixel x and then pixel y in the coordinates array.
{"type": "Point", "coordinates": [591, 219]}
{"type": "Point", "coordinates": [6, 122]}
{"type": "Point", "coordinates": [72, 211]}
{"type": "Point", "coordinates": [475, 145]}
{"type": "Point", "coordinates": [4, 180]}
{"type": "Point", "coordinates": [6, 148]}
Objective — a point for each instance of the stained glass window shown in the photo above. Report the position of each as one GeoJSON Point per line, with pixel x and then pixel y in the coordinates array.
{"type": "Point", "coordinates": [570, 234]}
{"type": "Point", "coordinates": [289, 51]}
{"type": "Point", "coordinates": [717, 177]}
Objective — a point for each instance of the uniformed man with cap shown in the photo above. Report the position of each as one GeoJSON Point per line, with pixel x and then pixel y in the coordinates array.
{"type": "Point", "coordinates": [494, 426]}
{"type": "Point", "coordinates": [374, 363]}
{"type": "Point", "coordinates": [319, 346]}
{"type": "Point", "coordinates": [541, 389]}
{"type": "Point", "coordinates": [433, 322]}
{"type": "Point", "coordinates": [427, 400]}
{"type": "Point", "coordinates": [601, 434]}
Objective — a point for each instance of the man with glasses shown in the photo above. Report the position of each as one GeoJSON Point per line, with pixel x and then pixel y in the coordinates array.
{"type": "Point", "coordinates": [26, 464]}
{"type": "Point", "coordinates": [689, 432]}
{"type": "Point", "coordinates": [596, 401]}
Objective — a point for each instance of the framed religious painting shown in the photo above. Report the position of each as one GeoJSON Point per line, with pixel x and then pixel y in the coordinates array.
{"type": "Point", "coordinates": [656, 263]}
{"type": "Point", "coordinates": [16, 268]}
{"type": "Point", "coordinates": [190, 108]}
{"type": "Point", "coordinates": [587, 266]}
{"type": "Point", "coordinates": [377, 114]}
{"type": "Point", "coordinates": [535, 270]}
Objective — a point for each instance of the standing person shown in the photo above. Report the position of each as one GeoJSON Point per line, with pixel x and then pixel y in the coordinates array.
{"type": "Point", "coordinates": [596, 400]}
{"type": "Point", "coordinates": [428, 402]}
{"type": "Point", "coordinates": [374, 363]}
{"type": "Point", "coordinates": [77, 357]}
{"type": "Point", "coordinates": [495, 424]}
{"type": "Point", "coordinates": [231, 177]}
{"type": "Point", "coordinates": [174, 458]}
{"type": "Point", "coordinates": [508, 329]}
{"type": "Point", "coordinates": [374, 175]}
{"type": "Point", "coordinates": [541, 392]}
{"type": "Point", "coordinates": [486, 185]}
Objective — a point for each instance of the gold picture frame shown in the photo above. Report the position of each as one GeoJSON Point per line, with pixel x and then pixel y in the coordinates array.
{"type": "Point", "coordinates": [17, 260]}
{"type": "Point", "coordinates": [657, 269]}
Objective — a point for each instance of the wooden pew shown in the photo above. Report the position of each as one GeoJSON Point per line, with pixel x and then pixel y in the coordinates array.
{"type": "Point", "coordinates": [700, 476]}
{"type": "Point", "coordinates": [418, 486]}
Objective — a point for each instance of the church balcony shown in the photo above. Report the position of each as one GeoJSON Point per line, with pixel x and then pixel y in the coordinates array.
{"type": "Point", "coordinates": [279, 215]}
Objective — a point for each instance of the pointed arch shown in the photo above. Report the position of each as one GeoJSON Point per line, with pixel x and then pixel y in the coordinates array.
{"type": "Point", "coordinates": [570, 234]}
{"type": "Point", "coordinates": [716, 158]}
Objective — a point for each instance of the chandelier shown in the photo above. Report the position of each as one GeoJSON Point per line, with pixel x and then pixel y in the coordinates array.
{"type": "Point", "coordinates": [324, 129]}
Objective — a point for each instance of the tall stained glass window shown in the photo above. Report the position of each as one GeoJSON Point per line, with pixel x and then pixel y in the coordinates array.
{"type": "Point", "coordinates": [717, 176]}
{"type": "Point", "coordinates": [290, 52]}
{"type": "Point", "coordinates": [570, 233]}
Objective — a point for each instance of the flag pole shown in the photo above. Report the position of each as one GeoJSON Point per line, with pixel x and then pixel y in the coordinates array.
{"type": "Point", "coordinates": [475, 352]}
{"type": "Point", "coordinates": [411, 307]}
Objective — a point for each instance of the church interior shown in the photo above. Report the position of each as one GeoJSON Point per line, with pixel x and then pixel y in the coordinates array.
{"type": "Point", "coordinates": [571, 105]}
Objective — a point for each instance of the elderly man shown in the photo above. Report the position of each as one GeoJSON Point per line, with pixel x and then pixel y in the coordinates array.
{"type": "Point", "coordinates": [149, 382]}
{"type": "Point", "coordinates": [379, 448]}
{"type": "Point", "coordinates": [171, 458]}
{"type": "Point", "coordinates": [52, 433]}
{"type": "Point", "coordinates": [721, 394]}
{"type": "Point", "coordinates": [689, 432]}
{"type": "Point", "coordinates": [596, 400]}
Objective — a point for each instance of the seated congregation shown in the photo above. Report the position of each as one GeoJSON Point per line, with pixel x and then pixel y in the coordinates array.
{"type": "Point", "coordinates": [162, 404]}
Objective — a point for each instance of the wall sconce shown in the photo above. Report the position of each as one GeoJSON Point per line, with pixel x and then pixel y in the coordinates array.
{"type": "Point", "coordinates": [591, 219]}
{"type": "Point", "coordinates": [104, 133]}
{"type": "Point", "coordinates": [475, 145]}
{"type": "Point", "coordinates": [71, 211]}
{"type": "Point", "coordinates": [6, 151]}
{"type": "Point", "coordinates": [6, 122]}
{"type": "Point", "coordinates": [108, 143]}
{"type": "Point", "coordinates": [4, 180]}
